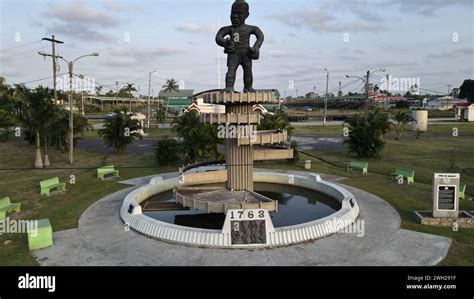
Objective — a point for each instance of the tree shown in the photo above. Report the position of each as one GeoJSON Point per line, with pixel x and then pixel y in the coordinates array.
{"type": "Point", "coordinates": [466, 91]}
{"type": "Point", "coordinates": [276, 121]}
{"type": "Point", "coordinates": [379, 121]}
{"type": "Point", "coordinates": [7, 111]}
{"type": "Point", "coordinates": [120, 131]}
{"type": "Point", "coordinates": [170, 86]}
{"type": "Point", "coordinates": [366, 135]}
{"type": "Point", "coordinates": [160, 115]}
{"type": "Point", "coordinates": [128, 89]}
{"type": "Point", "coordinates": [199, 140]}
{"type": "Point", "coordinates": [36, 115]}
{"type": "Point", "coordinates": [98, 89]}
{"type": "Point", "coordinates": [166, 151]}
{"type": "Point", "coordinates": [399, 121]}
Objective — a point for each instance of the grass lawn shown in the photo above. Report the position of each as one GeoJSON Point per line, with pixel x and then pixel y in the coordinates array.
{"type": "Point", "coordinates": [153, 132]}
{"type": "Point", "coordinates": [435, 151]}
{"type": "Point", "coordinates": [63, 210]}
{"type": "Point", "coordinates": [318, 130]}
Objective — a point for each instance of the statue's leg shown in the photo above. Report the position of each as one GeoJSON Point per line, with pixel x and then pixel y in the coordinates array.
{"type": "Point", "coordinates": [232, 65]}
{"type": "Point", "coordinates": [248, 76]}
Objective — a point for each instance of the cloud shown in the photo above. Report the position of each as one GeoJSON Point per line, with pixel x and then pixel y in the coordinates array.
{"type": "Point", "coordinates": [429, 7]}
{"type": "Point", "coordinates": [80, 13]}
{"type": "Point", "coordinates": [318, 20]}
{"type": "Point", "coordinates": [120, 6]}
{"type": "Point", "coordinates": [144, 53]}
{"type": "Point", "coordinates": [194, 28]}
{"type": "Point", "coordinates": [79, 31]}
{"type": "Point", "coordinates": [126, 57]}
{"type": "Point", "coordinates": [453, 54]}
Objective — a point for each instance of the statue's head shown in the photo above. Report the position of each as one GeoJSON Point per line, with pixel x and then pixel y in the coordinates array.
{"type": "Point", "coordinates": [240, 12]}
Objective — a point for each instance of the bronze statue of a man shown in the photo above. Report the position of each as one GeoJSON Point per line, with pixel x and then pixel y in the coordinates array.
{"type": "Point", "coordinates": [236, 41]}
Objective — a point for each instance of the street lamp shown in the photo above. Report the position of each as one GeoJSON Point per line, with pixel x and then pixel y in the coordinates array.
{"type": "Point", "coordinates": [70, 65]}
{"type": "Point", "coordinates": [149, 96]}
{"type": "Point", "coordinates": [326, 98]}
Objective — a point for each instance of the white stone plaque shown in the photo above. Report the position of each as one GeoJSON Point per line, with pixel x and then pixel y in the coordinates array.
{"type": "Point", "coordinates": [445, 194]}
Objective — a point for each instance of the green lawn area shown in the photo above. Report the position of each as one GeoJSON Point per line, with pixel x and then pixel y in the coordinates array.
{"type": "Point", "coordinates": [318, 130]}
{"type": "Point", "coordinates": [153, 132]}
{"type": "Point", "coordinates": [63, 210]}
{"type": "Point", "coordinates": [435, 151]}
{"type": "Point", "coordinates": [431, 153]}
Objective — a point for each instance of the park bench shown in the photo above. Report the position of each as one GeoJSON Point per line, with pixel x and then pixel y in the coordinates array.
{"type": "Point", "coordinates": [7, 206]}
{"type": "Point", "coordinates": [49, 184]}
{"type": "Point", "coordinates": [102, 171]}
{"type": "Point", "coordinates": [409, 174]}
{"type": "Point", "coordinates": [462, 192]}
{"type": "Point", "coordinates": [40, 236]}
{"type": "Point", "coordinates": [363, 166]}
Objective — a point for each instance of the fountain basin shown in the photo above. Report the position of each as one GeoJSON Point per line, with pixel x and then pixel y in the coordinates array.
{"type": "Point", "coordinates": [131, 214]}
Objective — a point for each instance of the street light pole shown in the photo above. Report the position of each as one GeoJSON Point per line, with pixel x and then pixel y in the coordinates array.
{"type": "Point", "coordinates": [70, 65]}
{"type": "Point", "coordinates": [71, 115]}
{"type": "Point", "coordinates": [367, 94]}
{"type": "Point", "coordinates": [326, 98]}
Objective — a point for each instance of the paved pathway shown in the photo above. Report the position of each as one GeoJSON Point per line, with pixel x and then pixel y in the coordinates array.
{"type": "Point", "coordinates": [101, 239]}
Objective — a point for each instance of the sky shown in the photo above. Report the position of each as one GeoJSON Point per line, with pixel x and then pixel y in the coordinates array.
{"type": "Point", "coordinates": [430, 40]}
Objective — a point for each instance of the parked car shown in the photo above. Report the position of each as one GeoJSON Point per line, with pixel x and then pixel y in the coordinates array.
{"type": "Point", "coordinates": [111, 114]}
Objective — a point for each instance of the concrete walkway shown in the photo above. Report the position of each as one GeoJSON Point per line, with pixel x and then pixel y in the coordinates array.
{"type": "Point", "coordinates": [101, 239]}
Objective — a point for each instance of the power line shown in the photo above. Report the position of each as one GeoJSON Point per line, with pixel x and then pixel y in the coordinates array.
{"type": "Point", "coordinates": [41, 79]}
{"type": "Point", "coordinates": [23, 45]}
{"type": "Point", "coordinates": [29, 51]}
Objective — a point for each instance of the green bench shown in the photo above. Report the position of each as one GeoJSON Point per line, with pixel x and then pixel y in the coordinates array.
{"type": "Point", "coordinates": [409, 174]}
{"type": "Point", "coordinates": [7, 206]}
{"type": "Point", "coordinates": [462, 192]}
{"type": "Point", "coordinates": [363, 166]}
{"type": "Point", "coordinates": [40, 237]}
{"type": "Point", "coordinates": [103, 171]}
{"type": "Point", "coordinates": [49, 184]}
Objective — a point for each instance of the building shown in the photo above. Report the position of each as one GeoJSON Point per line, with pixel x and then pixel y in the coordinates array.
{"type": "Point", "coordinates": [464, 111]}
{"type": "Point", "coordinates": [176, 100]}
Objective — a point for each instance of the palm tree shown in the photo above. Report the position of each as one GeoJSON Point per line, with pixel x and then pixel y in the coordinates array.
{"type": "Point", "coordinates": [128, 89]}
{"type": "Point", "coordinates": [98, 89]}
{"type": "Point", "coordinates": [399, 121]}
{"type": "Point", "coordinates": [199, 140]}
{"type": "Point", "coordinates": [170, 86]}
{"type": "Point", "coordinates": [35, 115]}
{"type": "Point", "coordinates": [119, 131]}
{"type": "Point", "coordinates": [276, 121]}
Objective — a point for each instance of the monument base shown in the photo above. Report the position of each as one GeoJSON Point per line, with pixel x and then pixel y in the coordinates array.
{"type": "Point", "coordinates": [464, 219]}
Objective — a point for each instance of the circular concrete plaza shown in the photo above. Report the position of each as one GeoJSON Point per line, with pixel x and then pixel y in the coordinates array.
{"type": "Point", "coordinates": [102, 240]}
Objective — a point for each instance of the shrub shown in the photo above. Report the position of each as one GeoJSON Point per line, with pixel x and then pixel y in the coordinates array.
{"type": "Point", "coordinates": [166, 151]}
{"type": "Point", "coordinates": [366, 134]}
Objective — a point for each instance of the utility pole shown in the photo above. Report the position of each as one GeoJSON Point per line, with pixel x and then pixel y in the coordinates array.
{"type": "Point", "coordinates": [70, 65]}
{"type": "Point", "coordinates": [367, 94]}
{"type": "Point", "coordinates": [116, 92]}
{"type": "Point", "coordinates": [218, 61]}
{"type": "Point", "coordinates": [149, 99]}
{"type": "Point", "coordinates": [449, 90]}
{"type": "Point", "coordinates": [53, 45]}
{"type": "Point", "coordinates": [326, 98]}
